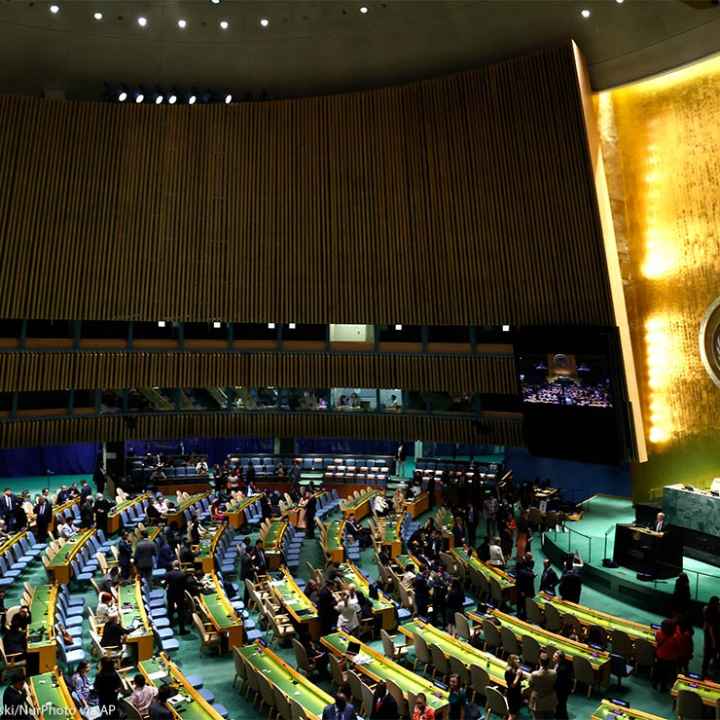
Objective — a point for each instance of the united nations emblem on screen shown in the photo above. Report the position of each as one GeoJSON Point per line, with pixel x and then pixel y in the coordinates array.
{"type": "Point", "coordinates": [710, 341]}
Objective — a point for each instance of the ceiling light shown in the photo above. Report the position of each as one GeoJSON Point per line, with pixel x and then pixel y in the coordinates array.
{"type": "Point", "coordinates": [585, 13]}
{"type": "Point", "coordinates": [291, 326]}
{"type": "Point", "coordinates": [398, 327]}
{"type": "Point", "coordinates": [264, 22]}
{"type": "Point", "coordinates": [172, 99]}
{"type": "Point", "coordinates": [122, 96]}
{"type": "Point", "coordinates": [215, 2]}
{"type": "Point", "coordinates": [142, 21]}
{"type": "Point", "coordinates": [138, 99]}
{"type": "Point", "coordinates": [228, 99]}
{"type": "Point", "coordinates": [182, 23]}
{"type": "Point", "coordinates": [98, 16]}
{"type": "Point", "coordinates": [216, 325]}
{"type": "Point", "coordinates": [506, 328]}
{"type": "Point", "coordinates": [224, 24]}
{"type": "Point", "coordinates": [192, 99]}
{"type": "Point", "coordinates": [619, 2]}
{"type": "Point", "coordinates": [54, 9]}
{"type": "Point", "coordinates": [364, 10]}
{"type": "Point", "coordinates": [159, 99]}
{"type": "Point", "coordinates": [271, 326]}
{"type": "Point", "coordinates": [161, 323]}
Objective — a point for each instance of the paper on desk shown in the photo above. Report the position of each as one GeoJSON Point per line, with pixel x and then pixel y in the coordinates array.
{"type": "Point", "coordinates": [158, 675]}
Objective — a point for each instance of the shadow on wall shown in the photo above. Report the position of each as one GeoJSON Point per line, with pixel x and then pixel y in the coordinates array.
{"type": "Point", "coordinates": [577, 480]}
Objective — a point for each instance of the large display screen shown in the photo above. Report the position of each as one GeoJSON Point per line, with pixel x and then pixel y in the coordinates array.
{"type": "Point", "coordinates": [559, 378]}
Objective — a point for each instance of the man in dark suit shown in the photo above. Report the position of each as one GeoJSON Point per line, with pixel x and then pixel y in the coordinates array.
{"type": "Point", "coordinates": [176, 583]}
{"type": "Point", "coordinates": [549, 579]}
{"type": "Point", "coordinates": [341, 709]}
{"type": "Point", "coordinates": [102, 509]}
{"type": "Point", "coordinates": [259, 558]}
{"type": "Point", "coordinates": [125, 552]}
{"type": "Point", "coordinates": [43, 517]}
{"type": "Point", "coordinates": [660, 524]}
{"type": "Point", "coordinates": [7, 507]}
{"type": "Point", "coordinates": [310, 509]}
{"type": "Point", "coordinates": [524, 583]}
{"type": "Point", "coordinates": [16, 703]}
{"type": "Point", "coordinates": [158, 708]}
{"type": "Point", "coordinates": [384, 706]}
{"type": "Point", "coordinates": [145, 554]}
{"type": "Point", "coordinates": [62, 495]}
{"type": "Point", "coordinates": [570, 583]}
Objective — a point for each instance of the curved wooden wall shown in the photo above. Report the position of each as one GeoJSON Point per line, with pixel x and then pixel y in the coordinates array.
{"type": "Point", "coordinates": [497, 428]}
{"type": "Point", "coordinates": [22, 371]}
{"type": "Point", "coordinates": [464, 200]}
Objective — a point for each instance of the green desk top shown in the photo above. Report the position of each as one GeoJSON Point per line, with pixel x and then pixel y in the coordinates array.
{"type": "Point", "coordinates": [590, 616]}
{"type": "Point", "coordinates": [295, 686]}
{"type": "Point", "coordinates": [12, 540]}
{"type": "Point", "coordinates": [187, 504]}
{"type": "Point", "coordinates": [195, 708]}
{"type": "Point", "coordinates": [221, 611]}
{"type": "Point", "coordinates": [392, 531]}
{"type": "Point", "coordinates": [42, 611]}
{"type": "Point", "coordinates": [363, 497]}
{"type": "Point", "coordinates": [126, 504]}
{"type": "Point", "coordinates": [404, 560]}
{"type": "Point", "coordinates": [130, 611]}
{"type": "Point", "coordinates": [335, 534]}
{"type": "Point", "coordinates": [350, 575]}
{"type": "Point", "coordinates": [706, 689]}
{"type": "Point", "coordinates": [53, 697]}
{"type": "Point", "coordinates": [294, 599]}
{"type": "Point", "coordinates": [443, 519]}
{"type": "Point", "coordinates": [608, 710]}
{"type": "Point", "coordinates": [71, 548]}
{"type": "Point", "coordinates": [383, 668]}
{"type": "Point", "coordinates": [310, 475]}
{"type": "Point", "coordinates": [274, 534]}
{"type": "Point", "coordinates": [505, 581]}
{"type": "Point", "coordinates": [207, 545]}
{"type": "Point", "coordinates": [596, 658]}
{"type": "Point", "coordinates": [459, 649]}
{"type": "Point", "coordinates": [240, 505]}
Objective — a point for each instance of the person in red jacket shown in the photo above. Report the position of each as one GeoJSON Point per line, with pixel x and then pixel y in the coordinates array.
{"type": "Point", "coordinates": [667, 654]}
{"type": "Point", "coordinates": [684, 637]}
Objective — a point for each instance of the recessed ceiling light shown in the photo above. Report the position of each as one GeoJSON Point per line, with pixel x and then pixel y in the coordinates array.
{"type": "Point", "coordinates": [271, 326]}
{"type": "Point", "coordinates": [216, 325]}
{"type": "Point", "coordinates": [138, 99]}
{"type": "Point", "coordinates": [161, 323]}
{"type": "Point", "coordinates": [215, 2]}
{"type": "Point", "coordinates": [172, 99]}
{"type": "Point", "coordinates": [159, 100]}
{"type": "Point", "coordinates": [182, 23]}
{"type": "Point", "coordinates": [264, 22]}
{"type": "Point", "coordinates": [228, 99]}
{"type": "Point", "coordinates": [398, 327]}
{"type": "Point", "coordinates": [291, 326]}
{"type": "Point", "coordinates": [98, 15]}
{"type": "Point", "coordinates": [192, 99]}
{"type": "Point", "coordinates": [506, 328]}
{"type": "Point", "coordinates": [54, 9]}
{"type": "Point", "coordinates": [619, 2]}
{"type": "Point", "coordinates": [142, 21]}
{"type": "Point", "coordinates": [585, 13]}
{"type": "Point", "coordinates": [122, 96]}
{"type": "Point", "coordinates": [224, 24]}
{"type": "Point", "coordinates": [364, 9]}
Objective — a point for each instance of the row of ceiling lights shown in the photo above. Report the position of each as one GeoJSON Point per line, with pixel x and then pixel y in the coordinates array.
{"type": "Point", "coordinates": [587, 13]}
{"type": "Point", "coordinates": [182, 23]}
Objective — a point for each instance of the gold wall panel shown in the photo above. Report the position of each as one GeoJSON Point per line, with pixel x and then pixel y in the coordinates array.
{"type": "Point", "coordinates": [461, 200]}
{"type": "Point", "coordinates": [23, 371]}
{"type": "Point", "coordinates": [661, 142]}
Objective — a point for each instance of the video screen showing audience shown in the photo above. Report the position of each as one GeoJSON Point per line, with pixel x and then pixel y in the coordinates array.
{"type": "Point", "coordinates": [564, 379]}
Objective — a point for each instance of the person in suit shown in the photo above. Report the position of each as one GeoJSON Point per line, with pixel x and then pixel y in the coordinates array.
{"type": "Point", "coordinates": [102, 509]}
{"type": "Point", "coordinates": [176, 584]}
{"type": "Point", "coordinates": [384, 706]}
{"type": "Point", "coordinates": [660, 524]}
{"type": "Point", "coordinates": [564, 681]}
{"type": "Point", "coordinates": [341, 709]}
{"type": "Point", "coordinates": [158, 708]}
{"type": "Point", "coordinates": [570, 583]}
{"type": "Point", "coordinates": [326, 610]}
{"type": "Point", "coordinates": [62, 496]}
{"type": "Point", "coordinates": [8, 506]}
{"type": "Point", "coordinates": [422, 593]}
{"type": "Point", "coordinates": [549, 578]}
{"type": "Point", "coordinates": [87, 516]}
{"type": "Point", "coordinates": [543, 699]}
{"type": "Point", "coordinates": [431, 491]}
{"type": "Point", "coordinates": [113, 634]}
{"type": "Point", "coordinates": [125, 552]}
{"type": "Point", "coordinates": [107, 687]}
{"type": "Point", "coordinates": [145, 554]}
{"type": "Point", "coordinates": [259, 558]}
{"type": "Point", "coordinates": [524, 583]}
{"type": "Point", "coordinates": [43, 517]}
{"type": "Point", "coordinates": [100, 478]}
{"type": "Point", "coordinates": [16, 702]}
{"type": "Point", "coordinates": [310, 509]}
{"type": "Point", "coordinates": [85, 489]}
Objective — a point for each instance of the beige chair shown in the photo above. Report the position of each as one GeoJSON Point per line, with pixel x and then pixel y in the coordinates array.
{"type": "Point", "coordinates": [644, 655]}
{"type": "Point", "coordinates": [302, 659]}
{"type": "Point", "coordinates": [282, 703]}
{"type": "Point", "coordinates": [553, 622]}
{"type": "Point", "coordinates": [297, 711]}
{"type": "Point", "coordinates": [495, 703]}
{"type": "Point", "coordinates": [336, 672]}
{"type": "Point", "coordinates": [493, 640]}
{"type": "Point", "coordinates": [440, 662]}
{"type": "Point", "coordinates": [400, 699]}
{"type": "Point", "coordinates": [496, 594]}
{"type": "Point", "coordinates": [530, 650]}
{"type": "Point", "coordinates": [393, 651]}
{"type": "Point", "coordinates": [510, 643]}
{"type": "Point", "coordinates": [534, 613]}
{"type": "Point", "coordinates": [210, 640]}
{"type": "Point", "coordinates": [240, 670]}
{"type": "Point", "coordinates": [267, 695]}
{"type": "Point", "coordinates": [355, 683]}
{"type": "Point", "coordinates": [584, 673]}
{"type": "Point", "coordinates": [479, 680]}
{"type": "Point", "coordinates": [457, 667]}
{"type": "Point", "coordinates": [368, 697]}
{"type": "Point", "coordinates": [422, 652]}
{"type": "Point", "coordinates": [253, 684]}
{"type": "Point", "coordinates": [11, 661]}
{"type": "Point", "coordinates": [130, 711]}
{"type": "Point", "coordinates": [689, 705]}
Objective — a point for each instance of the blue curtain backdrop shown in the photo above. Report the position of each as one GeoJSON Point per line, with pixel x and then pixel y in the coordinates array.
{"type": "Point", "coordinates": [577, 480]}
{"type": "Point", "coordinates": [346, 446]}
{"type": "Point", "coordinates": [77, 459]}
{"type": "Point", "coordinates": [215, 448]}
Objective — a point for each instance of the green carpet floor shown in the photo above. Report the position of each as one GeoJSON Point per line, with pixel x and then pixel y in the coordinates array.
{"type": "Point", "coordinates": [218, 673]}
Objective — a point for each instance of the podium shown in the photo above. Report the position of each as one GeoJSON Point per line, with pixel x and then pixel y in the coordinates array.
{"type": "Point", "coordinates": [647, 551]}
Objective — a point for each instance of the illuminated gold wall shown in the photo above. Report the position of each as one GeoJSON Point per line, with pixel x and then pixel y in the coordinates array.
{"type": "Point", "coordinates": [661, 143]}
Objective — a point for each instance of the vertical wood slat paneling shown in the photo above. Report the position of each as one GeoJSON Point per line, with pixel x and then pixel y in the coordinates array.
{"type": "Point", "coordinates": [465, 200]}
{"type": "Point", "coordinates": [500, 429]}
{"type": "Point", "coordinates": [30, 371]}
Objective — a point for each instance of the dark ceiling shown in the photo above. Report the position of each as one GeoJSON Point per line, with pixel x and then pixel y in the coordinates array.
{"type": "Point", "coordinates": [311, 48]}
